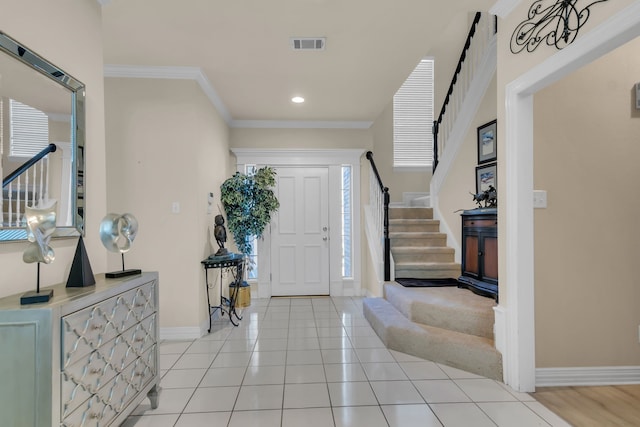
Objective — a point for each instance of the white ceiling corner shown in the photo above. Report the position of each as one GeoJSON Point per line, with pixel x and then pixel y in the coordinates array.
{"type": "Point", "coordinates": [195, 73]}
{"type": "Point", "coordinates": [162, 72]}
{"type": "Point", "coordinates": [251, 83]}
{"type": "Point", "coordinates": [503, 8]}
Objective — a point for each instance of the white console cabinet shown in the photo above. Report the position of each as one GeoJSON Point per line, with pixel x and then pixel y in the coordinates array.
{"type": "Point", "coordinates": [87, 357]}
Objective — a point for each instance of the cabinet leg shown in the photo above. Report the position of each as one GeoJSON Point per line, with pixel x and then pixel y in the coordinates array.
{"type": "Point", "coordinates": [153, 396]}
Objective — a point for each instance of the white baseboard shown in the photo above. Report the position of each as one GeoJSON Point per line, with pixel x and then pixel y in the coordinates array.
{"type": "Point", "coordinates": [186, 333]}
{"type": "Point", "coordinates": [500, 328]}
{"type": "Point", "coordinates": [592, 376]}
{"type": "Point", "coordinates": [183, 333]}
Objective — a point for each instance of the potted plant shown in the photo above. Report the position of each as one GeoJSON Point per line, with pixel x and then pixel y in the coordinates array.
{"type": "Point", "coordinates": [249, 202]}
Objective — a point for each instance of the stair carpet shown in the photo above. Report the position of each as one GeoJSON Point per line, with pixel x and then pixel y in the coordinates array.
{"type": "Point", "coordinates": [446, 325]}
{"type": "Point", "coordinates": [419, 249]}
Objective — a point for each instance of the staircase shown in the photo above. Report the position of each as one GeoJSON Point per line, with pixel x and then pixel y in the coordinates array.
{"type": "Point", "coordinates": [419, 249]}
{"type": "Point", "coordinates": [446, 325]}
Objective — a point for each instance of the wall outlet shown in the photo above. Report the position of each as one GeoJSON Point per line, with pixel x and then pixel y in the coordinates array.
{"type": "Point", "coordinates": [210, 203]}
{"type": "Point", "coordinates": [539, 199]}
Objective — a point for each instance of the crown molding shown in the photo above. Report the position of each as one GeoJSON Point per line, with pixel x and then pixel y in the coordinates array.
{"type": "Point", "coordinates": [162, 72]}
{"type": "Point", "coordinates": [196, 73]}
{"type": "Point", "coordinates": [503, 8]}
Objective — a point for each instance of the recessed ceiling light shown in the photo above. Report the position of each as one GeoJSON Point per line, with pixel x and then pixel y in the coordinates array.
{"type": "Point", "coordinates": [297, 99]}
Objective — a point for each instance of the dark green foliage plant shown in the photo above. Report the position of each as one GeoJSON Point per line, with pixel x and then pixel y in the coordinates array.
{"type": "Point", "coordinates": [249, 202]}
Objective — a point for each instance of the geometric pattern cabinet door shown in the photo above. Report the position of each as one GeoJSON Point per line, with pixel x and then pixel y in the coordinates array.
{"type": "Point", "coordinates": [480, 252]}
{"type": "Point", "coordinates": [88, 357]}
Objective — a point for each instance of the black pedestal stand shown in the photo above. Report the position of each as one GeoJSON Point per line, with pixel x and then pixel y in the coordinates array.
{"type": "Point", "coordinates": [37, 296]}
{"type": "Point", "coordinates": [123, 273]}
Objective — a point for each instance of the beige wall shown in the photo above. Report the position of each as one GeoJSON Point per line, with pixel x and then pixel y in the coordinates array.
{"type": "Point", "coordinates": [510, 67]}
{"type": "Point", "coordinates": [461, 180]}
{"type": "Point", "coordinates": [590, 327]}
{"type": "Point", "coordinates": [586, 244]}
{"type": "Point", "coordinates": [397, 181]}
{"type": "Point", "coordinates": [77, 49]}
{"type": "Point", "coordinates": [301, 138]}
{"type": "Point", "coordinates": [165, 144]}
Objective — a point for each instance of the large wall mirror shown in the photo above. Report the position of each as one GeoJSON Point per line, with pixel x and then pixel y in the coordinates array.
{"type": "Point", "coordinates": [42, 136]}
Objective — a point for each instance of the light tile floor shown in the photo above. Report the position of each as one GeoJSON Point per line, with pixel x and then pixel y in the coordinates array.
{"type": "Point", "coordinates": [316, 362]}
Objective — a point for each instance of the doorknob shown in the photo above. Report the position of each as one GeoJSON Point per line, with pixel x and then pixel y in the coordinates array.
{"type": "Point", "coordinates": [324, 228]}
{"type": "Point", "coordinates": [325, 238]}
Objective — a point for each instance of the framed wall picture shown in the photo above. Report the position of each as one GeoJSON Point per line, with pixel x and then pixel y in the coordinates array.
{"type": "Point", "coordinates": [486, 175]}
{"type": "Point", "coordinates": [487, 142]}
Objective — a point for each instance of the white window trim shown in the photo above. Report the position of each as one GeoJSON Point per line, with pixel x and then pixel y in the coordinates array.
{"type": "Point", "coordinates": [334, 159]}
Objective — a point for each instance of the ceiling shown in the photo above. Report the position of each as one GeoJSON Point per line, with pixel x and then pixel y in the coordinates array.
{"type": "Point", "coordinates": [243, 49]}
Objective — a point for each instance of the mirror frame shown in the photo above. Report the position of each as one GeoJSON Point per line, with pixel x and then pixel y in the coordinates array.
{"type": "Point", "coordinates": [28, 57]}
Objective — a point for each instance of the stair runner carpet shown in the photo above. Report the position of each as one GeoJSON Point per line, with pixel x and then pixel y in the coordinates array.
{"type": "Point", "coordinates": [426, 283]}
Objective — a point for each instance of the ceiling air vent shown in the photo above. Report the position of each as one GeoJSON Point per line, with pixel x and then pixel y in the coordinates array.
{"type": "Point", "coordinates": [308, 43]}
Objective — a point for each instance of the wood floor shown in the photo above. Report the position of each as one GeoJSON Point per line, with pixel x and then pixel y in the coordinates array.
{"type": "Point", "coordinates": [607, 406]}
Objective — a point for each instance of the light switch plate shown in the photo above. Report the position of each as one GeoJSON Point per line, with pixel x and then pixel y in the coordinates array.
{"type": "Point", "coordinates": [539, 199]}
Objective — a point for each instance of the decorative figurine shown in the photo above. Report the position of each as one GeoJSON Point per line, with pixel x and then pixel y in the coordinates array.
{"type": "Point", "coordinates": [117, 233]}
{"type": "Point", "coordinates": [41, 223]}
{"type": "Point", "coordinates": [81, 274]}
{"type": "Point", "coordinates": [488, 196]}
{"type": "Point", "coordinates": [220, 233]}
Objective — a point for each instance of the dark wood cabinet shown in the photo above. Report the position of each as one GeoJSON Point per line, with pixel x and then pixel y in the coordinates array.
{"type": "Point", "coordinates": [480, 252]}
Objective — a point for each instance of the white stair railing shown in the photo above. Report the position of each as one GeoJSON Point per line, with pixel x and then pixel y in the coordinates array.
{"type": "Point", "coordinates": [18, 193]}
{"type": "Point", "coordinates": [481, 34]}
{"type": "Point", "coordinates": [379, 211]}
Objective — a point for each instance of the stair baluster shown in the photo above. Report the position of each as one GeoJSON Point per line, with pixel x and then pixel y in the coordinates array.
{"type": "Point", "coordinates": [482, 30]}
{"type": "Point", "coordinates": [379, 199]}
{"type": "Point", "coordinates": [34, 192]}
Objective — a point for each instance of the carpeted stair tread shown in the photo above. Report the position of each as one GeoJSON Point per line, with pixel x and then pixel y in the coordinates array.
{"type": "Point", "coordinates": [450, 308]}
{"type": "Point", "coordinates": [410, 212]}
{"type": "Point", "coordinates": [426, 249]}
{"type": "Point", "coordinates": [427, 270]}
{"type": "Point", "coordinates": [416, 234]}
{"type": "Point", "coordinates": [414, 225]}
{"type": "Point", "coordinates": [418, 265]}
{"type": "Point", "coordinates": [426, 254]}
{"type": "Point", "coordinates": [463, 351]}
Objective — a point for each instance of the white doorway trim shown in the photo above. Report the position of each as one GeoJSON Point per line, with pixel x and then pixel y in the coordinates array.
{"type": "Point", "coordinates": [519, 320]}
{"type": "Point", "coordinates": [334, 159]}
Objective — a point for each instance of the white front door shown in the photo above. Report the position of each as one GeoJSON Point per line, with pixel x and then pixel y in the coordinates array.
{"type": "Point", "coordinates": [300, 232]}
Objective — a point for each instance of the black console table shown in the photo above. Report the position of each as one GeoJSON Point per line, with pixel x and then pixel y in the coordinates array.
{"type": "Point", "coordinates": [232, 263]}
{"type": "Point", "coordinates": [480, 251]}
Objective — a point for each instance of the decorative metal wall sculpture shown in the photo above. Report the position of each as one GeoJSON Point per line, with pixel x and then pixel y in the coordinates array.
{"type": "Point", "coordinates": [41, 223]}
{"type": "Point", "coordinates": [117, 233]}
{"type": "Point", "coordinates": [555, 23]}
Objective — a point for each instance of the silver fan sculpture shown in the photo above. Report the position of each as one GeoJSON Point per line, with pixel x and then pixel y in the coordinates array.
{"type": "Point", "coordinates": [117, 233]}
{"type": "Point", "coordinates": [41, 223]}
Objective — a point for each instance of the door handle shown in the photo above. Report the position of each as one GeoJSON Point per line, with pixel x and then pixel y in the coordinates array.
{"type": "Point", "coordinates": [324, 229]}
{"type": "Point", "coordinates": [325, 238]}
